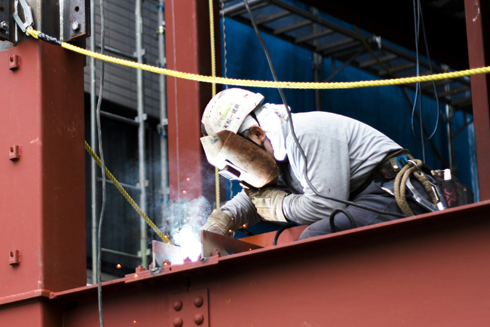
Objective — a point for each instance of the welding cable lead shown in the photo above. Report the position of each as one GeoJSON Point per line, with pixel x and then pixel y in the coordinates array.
{"type": "Point", "coordinates": [220, 223]}
{"type": "Point", "coordinates": [268, 202]}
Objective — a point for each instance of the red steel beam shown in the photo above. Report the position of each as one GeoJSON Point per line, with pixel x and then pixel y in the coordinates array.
{"type": "Point", "coordinates": [42, 201]}
{"type": "Point", "coordinates": [428, 270]}
{"type": "Point", "coordinates": [188, 50]}
{"type": "Point", "coordinates": [477, 25]}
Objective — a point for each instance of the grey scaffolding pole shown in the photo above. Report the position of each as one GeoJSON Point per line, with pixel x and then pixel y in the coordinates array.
{"type": "Point", "coordinates": [141, 132]}
{"type": "Point", "coordinates": [139, 121]}
{"type": "Point", "coordinates": [162, 62]}
{"type": "Point", "coordinates": [93, 166]}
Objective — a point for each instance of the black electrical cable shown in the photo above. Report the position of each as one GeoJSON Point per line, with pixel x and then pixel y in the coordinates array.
{"type": "Point", "coordinates": [245, 231]}
{"type": "Point", "coordinates": [102, 168]}
{"type": "Point", "coordinates": [346, 213]}
{"type": "Point", "coordinates": [419, 22]}
{"type": "Point", "coordinates": [282, 229]}
{"type": "Point", "coordinates": [296, 141]}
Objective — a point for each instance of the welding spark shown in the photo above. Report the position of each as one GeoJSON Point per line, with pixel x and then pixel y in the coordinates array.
{"type": "Point", "coordinates": [189, 241]}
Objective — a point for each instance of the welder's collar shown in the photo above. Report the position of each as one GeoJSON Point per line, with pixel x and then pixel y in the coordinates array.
{"type": "Point", "coordinates": [270, 118]}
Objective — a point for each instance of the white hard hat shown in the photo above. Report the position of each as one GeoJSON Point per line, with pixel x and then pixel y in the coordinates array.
{"type": "Point", "coordinates": [228, 109]}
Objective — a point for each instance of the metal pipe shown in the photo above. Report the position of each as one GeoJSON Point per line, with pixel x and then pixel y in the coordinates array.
{"type": "Point", "coordinates": [240, 8]}
{"type": "Point", "coordinates": [431, 141]}
{"type": "Point", "coordinates": [344, 66]}
{"type": "Point", "coordinates": [124, 254]}
{"type": "Point", "coordinates": [163, 111]}
{"type": "Point", "coordinates": [93, 140]}
{"type": "Point", "coordinates": [462, 128]}
{"type": "Point", "coordinates": [317, 71]}
{"type": "Point", "coordinates": [317, 65]}
{"type": "Point", "coordinates": [449, 119]}
{"type": "Point", "coordinates": [118, 118]}
{"type": "Point", "coordinates": [122, 184]}
{"type": "Point", "coordinates": [118, 52]}
{"type": "Point", "coordinates": [141, 131]}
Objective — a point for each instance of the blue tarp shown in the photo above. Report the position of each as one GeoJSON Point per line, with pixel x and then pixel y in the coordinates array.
{"type": "Point", "coordinates": [384, 108]}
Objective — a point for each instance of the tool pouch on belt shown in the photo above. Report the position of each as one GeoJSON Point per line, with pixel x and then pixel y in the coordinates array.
{"type": "Point", "coordinates": [454, 192]}
{"type": "Point", "coordinates": [391, 165]}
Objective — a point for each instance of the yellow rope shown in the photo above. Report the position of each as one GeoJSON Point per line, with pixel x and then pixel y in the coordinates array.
{"type": "Point", "coordinates": [127, 196]}
{"type": "Point", "coordinates": [271, 84]}
{"type": "Point", "coordinates": [213, 47]}
{"type": "Point", "coordinates": [213, 73]}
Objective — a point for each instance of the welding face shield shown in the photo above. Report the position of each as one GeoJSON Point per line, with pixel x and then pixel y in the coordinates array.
{"type": "Point", "coordinates": [239, 159]}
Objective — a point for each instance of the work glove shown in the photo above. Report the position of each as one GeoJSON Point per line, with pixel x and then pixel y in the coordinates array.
{"type": "Point", "coordinates": [268, 202]}
{"type": "Point", "coordinates": [220, 223]}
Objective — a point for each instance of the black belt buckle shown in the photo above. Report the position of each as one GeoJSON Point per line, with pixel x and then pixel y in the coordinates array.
{"type": "Point", "coordinates": [401, 160]}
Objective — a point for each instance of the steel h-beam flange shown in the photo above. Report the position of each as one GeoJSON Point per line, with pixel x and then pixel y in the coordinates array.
{"type": "Point", "coordinates": [65, 20]}
{"type": "Point", "coordinates": [189, 309]}
{"type": "Point", "coordinates": [6, 21]}
{"type": "Point", "coordinates": [76, 20]}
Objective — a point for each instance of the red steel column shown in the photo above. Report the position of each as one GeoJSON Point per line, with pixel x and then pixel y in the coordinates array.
{"type": "Point", "coordinates": [188, 50]}
{"type": "Point", "coordinates": [477, 14]}
{"type": "Point", "coordinates": [42, 197]}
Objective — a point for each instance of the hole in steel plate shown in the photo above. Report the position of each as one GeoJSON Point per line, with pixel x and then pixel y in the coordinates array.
{"type": "Point", "coordinates": [77, 9]}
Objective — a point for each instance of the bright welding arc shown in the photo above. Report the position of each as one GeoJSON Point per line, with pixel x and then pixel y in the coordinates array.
{"type": "Point", "coordinates": [296, 141]}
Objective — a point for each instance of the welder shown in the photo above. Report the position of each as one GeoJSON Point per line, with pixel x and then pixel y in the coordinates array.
{"type": "Point", "coordinates": [346, 160]}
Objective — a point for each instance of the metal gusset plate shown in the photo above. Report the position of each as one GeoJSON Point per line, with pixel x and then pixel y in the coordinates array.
{"type": "Point", "coordinates": [224, 244]}
{"type": "Point", "coordinates": [163, 251]}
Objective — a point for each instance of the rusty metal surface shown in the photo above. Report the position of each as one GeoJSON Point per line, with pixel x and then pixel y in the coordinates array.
{"type": "Point", "coordinates": [225, 245]}
{"type": "Point", "coordinates": [479, 56]}
{"type": "Point", "coordinates": [267, 239]}
{"type": "Point", "coordinates": [33, 314]}
{"type": "Point", "coordinates": [189, 309]}
{"type": "Point", "coordinates": [428, 270]}
{"type": "Point", "coordinates": [188, 49]}
{"type": "Point", "coordinates": [41, 169]}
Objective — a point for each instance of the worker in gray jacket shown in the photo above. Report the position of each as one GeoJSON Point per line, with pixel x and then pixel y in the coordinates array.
{"type": "Point", "coordinates": [346, 159]}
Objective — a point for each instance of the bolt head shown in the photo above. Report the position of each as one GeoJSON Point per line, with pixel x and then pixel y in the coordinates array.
{"type": "Point", "coordinates": [178, 322]}
{"type": "Point", "coordinates": [198, 319]}
{"type": "Point", "coordinates": [198, 301]}
{"type": "Point", "coordinates": [177, 305]}
{"type": "Point", "coordinates": [4, 25]}
{"type": "Point", "coordinates": [75, 26]}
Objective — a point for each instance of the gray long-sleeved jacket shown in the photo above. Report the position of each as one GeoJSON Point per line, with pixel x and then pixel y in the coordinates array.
{"type": "Point", "coordinates": [341, 154]}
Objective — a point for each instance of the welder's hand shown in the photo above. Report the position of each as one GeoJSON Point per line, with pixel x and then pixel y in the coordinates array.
{"type": "Point", "coordinates": [219, 223]}
{"type": "Point", "coordinates": [268, 202]}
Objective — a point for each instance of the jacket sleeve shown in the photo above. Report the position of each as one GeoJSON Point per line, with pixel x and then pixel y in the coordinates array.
{"type": "Point", "coordinates": [242, 210]}
{"type": "Point", "coordinates": [329, 173]}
